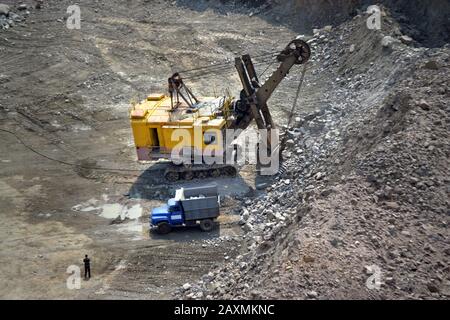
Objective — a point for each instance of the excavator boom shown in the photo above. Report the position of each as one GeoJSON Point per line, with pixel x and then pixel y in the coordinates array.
{"type": "Point", "coordinates": [253, 100]}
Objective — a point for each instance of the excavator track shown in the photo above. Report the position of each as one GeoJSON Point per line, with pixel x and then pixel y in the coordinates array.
{"type": "Point", "coordinates": [201, 171]}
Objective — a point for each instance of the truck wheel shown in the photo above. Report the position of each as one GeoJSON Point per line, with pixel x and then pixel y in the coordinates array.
{"type": "Point", "coordinates": [163, 228]}
{"type": "Point", "coordinates": [206, 225]}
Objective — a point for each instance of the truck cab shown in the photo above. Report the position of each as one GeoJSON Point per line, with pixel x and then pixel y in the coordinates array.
{"type": "Point", "coordinates": [171, 213]}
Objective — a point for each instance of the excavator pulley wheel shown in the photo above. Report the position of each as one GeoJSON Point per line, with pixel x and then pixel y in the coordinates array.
{"type": "Point", "coordinates": [300, 47]}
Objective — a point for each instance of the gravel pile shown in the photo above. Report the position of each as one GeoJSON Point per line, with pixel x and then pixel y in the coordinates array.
{"type": "Point", "coordinates": [10, 17]}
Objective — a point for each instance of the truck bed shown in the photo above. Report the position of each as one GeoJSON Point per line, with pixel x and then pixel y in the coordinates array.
{"type": "Point", "coordinates": [200, 203]}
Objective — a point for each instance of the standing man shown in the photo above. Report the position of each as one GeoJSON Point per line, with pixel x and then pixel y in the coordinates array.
{"type": "Point", "coordinates": [87, 267]}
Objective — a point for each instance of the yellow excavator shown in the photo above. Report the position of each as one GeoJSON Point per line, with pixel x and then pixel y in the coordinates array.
{"type": "Point", "coordinates": [155, 120]}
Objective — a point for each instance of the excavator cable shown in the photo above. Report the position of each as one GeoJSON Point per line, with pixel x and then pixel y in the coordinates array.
{"type": "Point", "coordinates": [223, 67]}
{"type": "Point", "coordinates": [268, 67]}
{"type": "Point", "coordinates": [294, 106]}
{"type": "Point", "coordinates": [72, 164]}
{"type": "Point", "coordinates": [212, 66]}
{"type": "Point", "coordinates": [227, 69]}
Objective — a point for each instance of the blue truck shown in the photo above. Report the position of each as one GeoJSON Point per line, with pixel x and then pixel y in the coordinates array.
{"type": "Point", "coordinates": [198, 206]}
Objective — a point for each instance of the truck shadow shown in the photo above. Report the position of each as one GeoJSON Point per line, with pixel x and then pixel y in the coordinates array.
{"type": "Point", "coordinates": [187, 234]}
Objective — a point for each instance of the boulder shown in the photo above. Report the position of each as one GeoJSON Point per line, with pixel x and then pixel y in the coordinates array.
{"type": "Point", "coordinates": [387, 41]}
{"type": "Point", "coordinates": [392, 205]}
{"type": "Point", "coordinates": [406, 40]}
{"type": "Point", "coordinates": [290, 143]}
{"type": "Point", "coordinates": [186, 286]}
{"type": "Point", "coordinates": [424, 105]}
{"type": "Point", "coordinates": [432, 65]}
{"type": "Point", "coordinates": [4, 9]}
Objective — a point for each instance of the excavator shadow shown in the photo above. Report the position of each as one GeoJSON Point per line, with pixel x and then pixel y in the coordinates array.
{"type": "Point", "coordinates": [151, 185]}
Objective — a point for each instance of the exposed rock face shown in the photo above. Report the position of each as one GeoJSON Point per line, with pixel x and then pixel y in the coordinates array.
{"type": "Point", "coordinates": [424, 21]}
{"type": "Point", "coordinates": [8, 18]}
{"type": "Point", "coordinates": [319, 12]}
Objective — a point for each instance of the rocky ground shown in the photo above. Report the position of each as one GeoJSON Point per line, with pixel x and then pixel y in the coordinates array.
{"type": "Point", "coordinates": [362, 195]}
